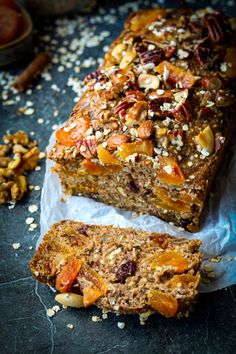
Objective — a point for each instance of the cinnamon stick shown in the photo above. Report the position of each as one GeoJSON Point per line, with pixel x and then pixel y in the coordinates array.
{"type": "Point", "coordinates": [32, 71]}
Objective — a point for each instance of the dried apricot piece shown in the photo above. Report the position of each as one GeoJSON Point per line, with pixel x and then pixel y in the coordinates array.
{"type": "Point", "coordinates": [169, 171]}
{"type": "Point", "coordinates": [141, 19]}
{"type": "Point", "coordinates": [96, 286]}
{"type": "Point", "coordinates": [90, 296]}
{"type": "Point", "coordinates": [96, 170]}
{"type": "Point", "coordinates": [176, 75]}
{"type": "Point", "coordinates": [91, 167]}
{"type": "Point", "coordinates": [72, 132]}
{"type": "Point", "coordinates": [106, 157]}
{"type": "Point", "coordinates": [171, 259]}
{"type": "Point", "coordinates": [171, 203]}
{"type": "Point", "coordinates": [140, 147]}
{"type": "Point", "coordinates": [184, 280]}
{"type": "Point", "coordinates": [68, 274]}
{"type": "Point", "coordinates": [165, 304]}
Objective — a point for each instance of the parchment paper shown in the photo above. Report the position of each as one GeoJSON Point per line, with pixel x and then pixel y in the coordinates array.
{"type": "Point", "coordinates": [218, 227]}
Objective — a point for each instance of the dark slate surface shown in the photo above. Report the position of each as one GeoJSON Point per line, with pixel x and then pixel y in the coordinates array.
{"type": "Point", "coordinates": [25, 327]}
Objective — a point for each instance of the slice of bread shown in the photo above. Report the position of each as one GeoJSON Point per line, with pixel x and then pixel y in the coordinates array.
{"type": "Point", "coordinates": [120, 269]}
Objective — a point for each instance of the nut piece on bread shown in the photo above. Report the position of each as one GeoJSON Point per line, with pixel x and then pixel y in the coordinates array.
{"type": "Point", "coordinates": [119, 269]}
{"type": "Point", "coordinates": [158, 114]}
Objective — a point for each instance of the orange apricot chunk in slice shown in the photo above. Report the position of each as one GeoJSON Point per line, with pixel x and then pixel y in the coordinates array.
{"type": "Point", "coordinates": [184, 280]}
{"type": "Point", "coordinates": [176, 75]}
{"type": "Point", "coordinates": [141, 19]}
{"type": "Point", "coordinates": [169, 171]}
{"type": "Point", "coordinates": [73, 131]}
{"type": "Point", "coordinates": [96, 170]}
{"type": "Point", "coordinates": [68, 274]}
{"type": "Point", "coordinates": [172, 259]}
{"type": "Point", "coordinates": [140, 147]}
{"type": "Point", "coordinates": [106, 157]}
{"type": "Point", "coordinates": [165, 304]}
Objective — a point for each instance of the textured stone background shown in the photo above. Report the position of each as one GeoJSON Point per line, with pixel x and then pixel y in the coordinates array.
{"type": "Point", "coordinates": [25, 327]}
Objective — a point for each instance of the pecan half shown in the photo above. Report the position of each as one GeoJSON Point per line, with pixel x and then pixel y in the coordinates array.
{"type": "Point", "coordinates": [122, 107]}
{"type": "Point", "coordinates": [87, 148]}
{"type": "Point", "coordinates": [206, 112]}
{"type": "Point", "coordinates": [203, 51]}
{"type": "Point", "coordinates": [183, 111]}
{"type": "Point", "coordinates": [215, 27]}
{"type": "Point", "coordinates": [126, 270]}
{"type": "Point", "coordinates": [151, 56]}
{"type": "Point", "coordinates": [155, 107]}
{"type": "Point", "coordinates": [96, 75]}
{"type": "Point", "coordinates": [135, 95]}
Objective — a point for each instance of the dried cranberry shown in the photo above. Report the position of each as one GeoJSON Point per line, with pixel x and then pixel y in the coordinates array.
{"type": "Point", "coordinates": [214, 24]}
{"type": "Point", "coordinates": [83, 230]}
{"type": "Point", "coordinates": [122, 107]}
{"type": "Point", "coordinates": [126, 270]}
{"type": "Point", "coordinates": [151, 56]}
{"type": "Point", "coordinates": [134, 187]}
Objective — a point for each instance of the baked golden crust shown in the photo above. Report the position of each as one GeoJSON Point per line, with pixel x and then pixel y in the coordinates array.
{"type": "Point", "coordinates": [127, 270]}
{"type": "Point", "coordinates": [163, 100]}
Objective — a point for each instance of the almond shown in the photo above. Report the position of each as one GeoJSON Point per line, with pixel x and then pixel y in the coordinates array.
{"type": "Point", "coordinates": [116, 140]}
{"type": "Point", "coordinates": [145, 129]}
{"type": "Point", "coordinates": [206, 139]}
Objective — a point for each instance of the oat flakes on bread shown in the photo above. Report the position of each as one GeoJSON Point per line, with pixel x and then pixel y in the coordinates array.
{"type": "Point", "coordinates": [119, 269]}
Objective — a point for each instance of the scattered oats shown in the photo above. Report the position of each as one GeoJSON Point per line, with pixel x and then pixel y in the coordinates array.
{"type": "Point", "coordinates": [12, 206]}
{"type": "Point", "coordinates": [37, 168]}
{"type": "Point", "coordinates": [29, 104]}
{"type": "Point", "coordinates": [210, 104]}
{"type": "Point", "coordinates": [182, 54]}
{"type": "Point", "coordinates": [28, 92]}
{"type": "Point", "coordinates": [223, 67]}
{"type": "Point", "coordinates": [29, 220]}
{"type": "Point", "coordinates": [205, 153]}
{"type": "Point", "coordinates": [165, 153]}
{"type": "Point", "coordinates": [185, 127]}
{"type": "Point", "coordinates": [29, 111]}
{"type": "Point", "coordinates": [190, 164]}
{"type": "Point", "coordinates": [50, 312]}
{"type": "Point", "coordinates": [33, 226]}
{"type": "Point", "coordinates": [16, 246]}
{"type": "Point", "coordinates": [70, 326]}
{"type": "Point", "coordinates": [229, 259]}
{"type": "Point", "coordinates": [105, 316]}
{"type": "Point", "coordinates": [33, 208]}
{"type": "Point", "coordinates": [37, 188]}
{"type": "Point", "coordinates": [40, 120]}
{"type": "Point", "coordinates": [60, 68]}
{"type": "Point", "coordinates": [31, 187]}
{"type": "Point", "coordinates": [96, 318]}
{"type": "Point", "coordinates": [121, 325]}
{"type": "Point", "coordinates": [54, 87]}
{"type": "Point", "coordinates": [55, 126]}
{"type": "Point", "coordinates": [165, 74]}
{"type": "Point", "coordinates": [30, 247]}
{"type": "Point", "coordinates": [56, 308]}
{"type": "Point", "coordinates": [104, 144]}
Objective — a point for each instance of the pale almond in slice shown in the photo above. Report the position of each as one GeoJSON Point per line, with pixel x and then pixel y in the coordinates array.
{"type": "Point", "coordinates": [145, 129]}
{"type": "Point", "coordinates": [116, 140]}
{"type": "Point", "coordinates": [206, 139]}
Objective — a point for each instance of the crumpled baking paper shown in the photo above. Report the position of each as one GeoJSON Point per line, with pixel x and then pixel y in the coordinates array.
{"type": "Point", "coordinates": [218, 227]}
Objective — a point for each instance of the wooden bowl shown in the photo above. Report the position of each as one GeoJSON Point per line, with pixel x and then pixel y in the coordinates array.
{"type": "Point", "coordinates": [20, 46]}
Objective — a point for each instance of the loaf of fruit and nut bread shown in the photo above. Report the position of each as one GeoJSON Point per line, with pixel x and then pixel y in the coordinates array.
{"type": "Point", "coordinates": [119, 269]}
{"type": "Point", "coordinates": [151, 127]}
